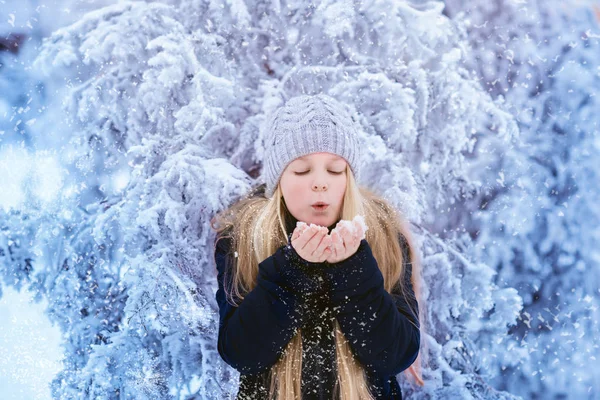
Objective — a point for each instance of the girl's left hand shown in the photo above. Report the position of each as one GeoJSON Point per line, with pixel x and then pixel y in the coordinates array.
{"type": "Point", "coordinates": [344, 243]}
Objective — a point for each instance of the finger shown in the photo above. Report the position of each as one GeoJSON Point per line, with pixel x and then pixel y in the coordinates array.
{"type": "Point", "coordinates": [355, 229]}
{"type": "Point", "coordinates": [337, 243]}
{"type": "Point", "coordinates": [331, 256]}
{"type": "Point", "coordinates": [307, 236]}
{"type": "Point", "coordinates": [345, 235]}
{"type": "Point", "coordinates": [321, 238]}
{"type": "Point", "coordinates": [323, 250]}
{"type": "Point", "coordinates": [326, 255]}
{"type": "Point", "coordinates": [303, 228]}
{"type": "Point", "coordinates": [355, 232]}
{"type": "Point", "coordinates": [349, 240]}
{"type": "Point", "coordinates": [360, 232]}
{"type": "Point", "coordinates": [356, 238]}
{"type": "Point", "coordinates": [316, 241]}
{"type": "Point", "coordinates": [349, 244]}
{"type": "Point", "coordinates": [351, 234]}
{"type": "Point", "coordinates": [296, 234]}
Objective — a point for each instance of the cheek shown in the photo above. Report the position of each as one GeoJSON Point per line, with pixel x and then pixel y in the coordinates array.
{"type": "Point", "coordinates": [296, 187]}
{"type": "Point", "coordinates": [340, 189]}
{"type": "Point", "coordinates": [341, 184]}
{"type": "Point", "coordinates": [293, 190]}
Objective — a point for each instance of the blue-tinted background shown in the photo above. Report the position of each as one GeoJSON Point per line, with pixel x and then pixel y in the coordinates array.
{"type": "Point", "coordinates": [125, 126]}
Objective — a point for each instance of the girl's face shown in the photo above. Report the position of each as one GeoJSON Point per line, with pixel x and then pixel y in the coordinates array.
{"type": "Point", "coordinates": [316, 177]}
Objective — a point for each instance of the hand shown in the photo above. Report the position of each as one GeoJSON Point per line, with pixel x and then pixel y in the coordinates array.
{"type": "Point", "coordinates": [344, 243]}
{"type": "Point", "coordinates": [312, 243]}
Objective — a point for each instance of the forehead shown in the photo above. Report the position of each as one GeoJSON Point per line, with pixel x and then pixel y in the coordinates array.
{"type": "Point", "coordinates": [320, 156]}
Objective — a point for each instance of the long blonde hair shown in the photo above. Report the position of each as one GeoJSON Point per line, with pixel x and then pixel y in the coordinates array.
{"type": "Point", "coordinates": [257, 215]}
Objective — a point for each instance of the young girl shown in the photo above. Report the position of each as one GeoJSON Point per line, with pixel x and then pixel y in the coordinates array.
{"type": "Point", "coordinates": [324, 311]}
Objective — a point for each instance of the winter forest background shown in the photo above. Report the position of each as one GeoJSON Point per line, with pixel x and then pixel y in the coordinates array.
{"type": "Point", "coordinates": [126, 125]}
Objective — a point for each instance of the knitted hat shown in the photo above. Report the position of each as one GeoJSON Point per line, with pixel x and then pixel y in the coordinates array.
{"type": "Point", "coordinates": [304, 125]}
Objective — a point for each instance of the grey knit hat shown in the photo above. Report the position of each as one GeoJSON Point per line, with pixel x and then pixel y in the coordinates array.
{"type": "Point", "coordinates": [308, 124]}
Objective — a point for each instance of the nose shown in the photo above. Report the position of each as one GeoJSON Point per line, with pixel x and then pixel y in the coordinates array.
{"type": "Point", "coordinates": [320, 186]}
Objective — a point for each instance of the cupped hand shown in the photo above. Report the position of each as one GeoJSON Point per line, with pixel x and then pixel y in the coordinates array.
{"type": "Point", "coordinates": [314, 244]}
{"type": "Point", "coordinates": [344, 242]}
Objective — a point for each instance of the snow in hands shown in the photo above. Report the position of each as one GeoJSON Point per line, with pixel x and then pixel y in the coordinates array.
{"type": "Point", "coordinates": [352, 226]}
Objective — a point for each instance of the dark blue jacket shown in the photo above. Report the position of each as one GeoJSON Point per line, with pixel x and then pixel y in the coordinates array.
{"type": "Point", "coordinates": [292, 293]}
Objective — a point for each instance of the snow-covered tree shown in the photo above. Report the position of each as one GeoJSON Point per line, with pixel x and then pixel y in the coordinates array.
{"type": "Point", "coordinates": [163, 109]}
{"type": "Point", "coordinates": [539, 228]}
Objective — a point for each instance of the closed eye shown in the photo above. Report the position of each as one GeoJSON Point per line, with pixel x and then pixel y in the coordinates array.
{"type": "Point", "coordinates": [332, 172]}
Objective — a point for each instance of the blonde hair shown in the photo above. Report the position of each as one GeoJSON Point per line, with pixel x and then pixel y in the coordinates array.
{"type": "Point", "coordinates": [257, 215]}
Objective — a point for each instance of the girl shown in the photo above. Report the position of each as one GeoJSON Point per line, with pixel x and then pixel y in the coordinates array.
{"type": "Point", "coordinates": [323, 312]}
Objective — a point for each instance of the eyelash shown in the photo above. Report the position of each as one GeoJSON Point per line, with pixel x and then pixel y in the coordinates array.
{"type": "Point", "coordinates": [306, 172]}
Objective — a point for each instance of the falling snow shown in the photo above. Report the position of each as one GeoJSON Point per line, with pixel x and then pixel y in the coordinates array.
{"type": "Point", "coordinates": [125, 126]}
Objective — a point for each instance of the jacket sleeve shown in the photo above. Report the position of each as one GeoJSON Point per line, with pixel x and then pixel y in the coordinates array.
{"type": "Point", "coordinates": [253, 334]}
{"type": "Point", "coordinates": [378, 325]}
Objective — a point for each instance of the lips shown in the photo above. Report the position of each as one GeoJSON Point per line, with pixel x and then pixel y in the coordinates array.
{"type": "Point", "coordinates": [320, 206]}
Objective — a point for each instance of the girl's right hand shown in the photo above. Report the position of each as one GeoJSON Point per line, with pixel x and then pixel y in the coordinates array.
{"type": "Point", "coordinates": [312, 243]}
